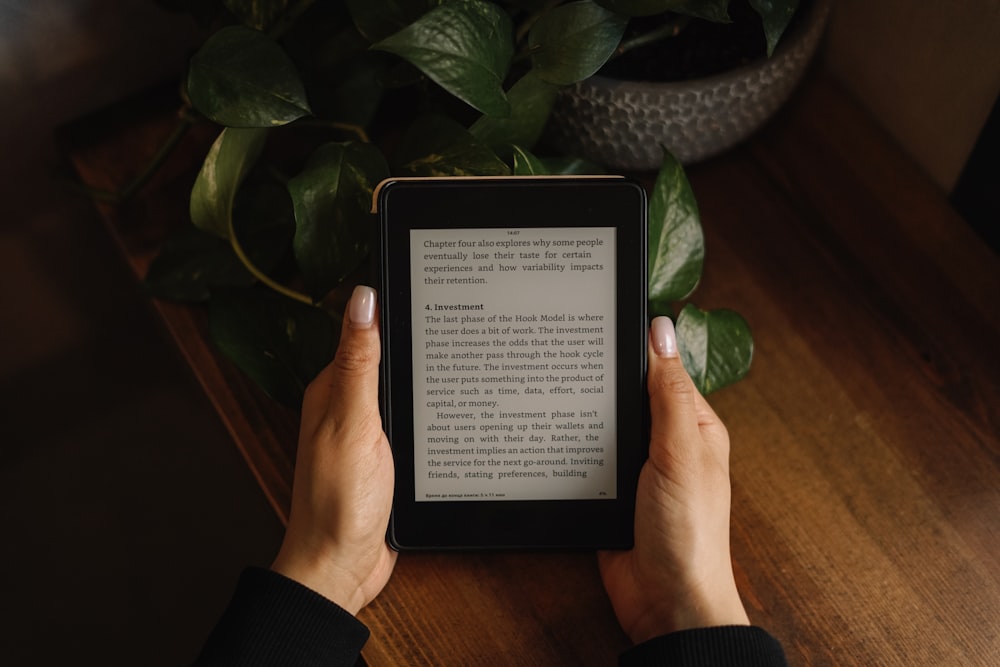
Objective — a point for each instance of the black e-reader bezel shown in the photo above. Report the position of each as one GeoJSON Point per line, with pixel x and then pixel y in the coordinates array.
{"type": "Point", "coordinates": [513, 202]}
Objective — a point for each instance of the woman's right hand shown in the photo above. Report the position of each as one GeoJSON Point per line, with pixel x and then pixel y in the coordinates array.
{"type": "Point", "coordinates": [679, 573]}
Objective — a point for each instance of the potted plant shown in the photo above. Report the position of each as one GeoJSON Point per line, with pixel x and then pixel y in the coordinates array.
{"type": "Point", "coordinates": [318, 102]}
{"type": "Point", "coordinates": [700, 91]}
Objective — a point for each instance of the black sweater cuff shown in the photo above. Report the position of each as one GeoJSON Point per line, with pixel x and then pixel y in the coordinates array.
{"type": "Point", "coordinates": [273, 620]}
{"type": "Point", "coordinates": [736, 645]}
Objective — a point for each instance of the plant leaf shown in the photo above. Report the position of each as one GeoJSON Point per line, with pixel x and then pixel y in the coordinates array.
{"type": "Point", "coordinates": [776, 15]}
{"type": "Point", "coordinates": [438, 146]}
{"type": "Point", "coordinates": [257, 14]}
{"type": "Point", "coordinates": [710, 10]}
{"type": "Point", "coordinates": [572, 41]}
{"type": "Point", "coordinates": [529, 164]}
{"type": "Point", "coordinates": [334, 228]}
{"type": "Point", "coordinates": [526, 164]}
{"type": "Point", "coordinates": [715, 346]}
{"type": "Point", "coordinates": [565, 166]}
{"type": "Point", "coordinates": [226, 165]}
{"type": "Point", "coordinates": [242, 78]}
{"type": "Point", "coordinates": [192, 262]}
{"type": "Point", "coordinates": [377, 19]}
{"type": "Point", "coordinates": [676, 242]}
{"type": "Point", "coordinates": [355, 95]}
{"type": "Point", "coordinates": [465, 46]}
{"type": "Point", "coordinates": [281, 344]}
{"type": "Point", "coordinates": [531, 100]}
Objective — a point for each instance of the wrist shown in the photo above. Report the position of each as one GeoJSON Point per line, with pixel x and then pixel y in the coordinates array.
{"type": "Point", "coordinates": [323, 577]}
{"type": "Point", "coordinates": [710, 606]}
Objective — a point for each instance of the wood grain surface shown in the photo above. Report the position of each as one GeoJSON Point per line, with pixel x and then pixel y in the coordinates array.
{"type": "Point", "coordinates": [866, 455]}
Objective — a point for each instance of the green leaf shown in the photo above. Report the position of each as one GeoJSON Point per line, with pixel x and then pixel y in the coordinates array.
{"type": "Point", "coordinates": [377, 19]}
{"type": "Point", "coordinates": [676, 242]}
{"type": "Point", "coordinates": [242, 78]}
{"type": "Point", "coordinates": [226, 165]}
{"type": "Point", "coordinates": [531, 100]}
{"type": "Point", "coordinates": [334, 225]}
{"type": "Point", "coordinates": [526, 164]}
{"type": "Point", "coordinates": [355, 96]}
{"type": "Point", "coordinates": [776, 15]}
{"type": "Point", "coordinates": [716, 347]}
{"type": "Point", "coordinates": [281, 344]}
{"type": "Point", "coordinates": [192, 262]}
{"type": "Point", "coordinates": [572, 41]}
{"type": "Point", "coordinates": [711, 10]}
{"type": "Point", "coordinates": [438, 146]}
{"type": "Point", "coordinates": [257, 14]}
{"type": "Point", "coordinates": [566, 166]}
{"type": "Point", "coordinates": [530, 5]}
{"type": "Point", "coordinates": [465, 46]}
{"type": "Point", "coordinates": [318, 36]}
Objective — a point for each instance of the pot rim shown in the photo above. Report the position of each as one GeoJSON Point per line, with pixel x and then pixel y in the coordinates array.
{"type": "Point", "coordinates": [818, 14]}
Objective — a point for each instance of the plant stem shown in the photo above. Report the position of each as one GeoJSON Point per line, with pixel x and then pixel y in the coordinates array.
{"type": "Point", "coordinates": [524, 54]}
{"type": "Point", "coordinates": [351, 127]}
{"type": "Point", "coordinates": [354, 129]}
{"type": "Point", "coordinates": [525, 27]}
{"type": "Point", "coordinates": [184, 123]}
{"type": "Point", "coordinates": [669, 29]}
{"type": "Point", "coordinates": [260, 275]}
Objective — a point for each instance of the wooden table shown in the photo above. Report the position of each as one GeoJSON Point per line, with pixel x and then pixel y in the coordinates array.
{"type": "Point", "coordinates": [866, 456]}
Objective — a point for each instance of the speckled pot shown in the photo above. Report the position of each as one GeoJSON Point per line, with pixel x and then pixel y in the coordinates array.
{"type": "Point", "coordinates": [622, 124]}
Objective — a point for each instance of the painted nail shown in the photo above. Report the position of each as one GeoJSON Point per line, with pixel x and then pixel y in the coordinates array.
{"type": "Point", "coordinates": [664, 338]}
{"type": "Point", "coordinates": [361, 311]}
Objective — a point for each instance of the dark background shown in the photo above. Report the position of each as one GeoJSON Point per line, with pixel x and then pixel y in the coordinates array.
{"type": "Point", "coordinates": [126, 511]}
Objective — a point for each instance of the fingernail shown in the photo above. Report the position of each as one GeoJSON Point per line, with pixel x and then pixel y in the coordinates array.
{"type": "Point", "coordinates": [661, 332]}
{"type": "Point", "coordinates": [361, 310]}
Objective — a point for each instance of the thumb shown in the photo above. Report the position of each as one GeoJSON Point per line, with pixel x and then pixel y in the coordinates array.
{"type": "Point", "coordinates": [672, 395]}
{"type": "Point", "coordinates": [355, 366]}
{"type": "Point", "coordinates": [349, 384]}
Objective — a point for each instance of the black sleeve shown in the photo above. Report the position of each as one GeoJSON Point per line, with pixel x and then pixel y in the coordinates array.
{"type": "Point", "coordinates": [728, 646]}
{"type": "Point", "coordinates": [273, 620]}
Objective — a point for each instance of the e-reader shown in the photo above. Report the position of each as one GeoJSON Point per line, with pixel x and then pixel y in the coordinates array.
{"type": "Point", "coordinates": [513, 314]}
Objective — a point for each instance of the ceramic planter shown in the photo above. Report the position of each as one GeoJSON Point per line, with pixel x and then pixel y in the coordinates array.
{"type": "Point", "coordinates": [622, 124]}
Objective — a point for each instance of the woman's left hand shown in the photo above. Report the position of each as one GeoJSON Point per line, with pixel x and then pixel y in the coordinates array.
{"type": "Point", "coordinates": [342, 495]}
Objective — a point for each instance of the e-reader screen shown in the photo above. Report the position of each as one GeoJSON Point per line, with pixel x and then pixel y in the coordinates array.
{"type": "Point", "coordinates": [513, 359]}
{"type": "Point", "coordinates": [515, 381]}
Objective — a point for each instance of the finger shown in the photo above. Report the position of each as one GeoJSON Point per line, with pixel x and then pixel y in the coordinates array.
{"type": "Point", "coordinates": [673, 397]}
{"type": "Point", "coordinates": [355, 365]}
{"type": "Point", "coordinates": [350, 381]}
